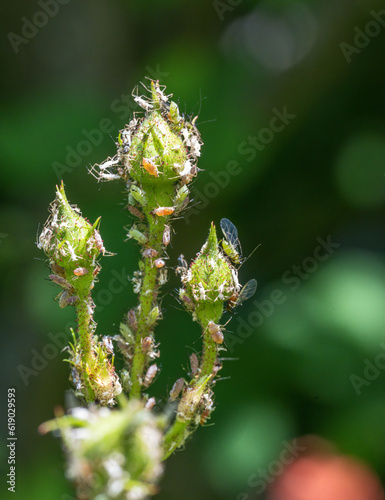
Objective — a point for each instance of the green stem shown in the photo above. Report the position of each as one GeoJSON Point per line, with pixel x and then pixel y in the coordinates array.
{"type": "Point", "coordinates": [149, 289]}
{"type": "Point", "coordinates": [179, 431]}
{"type": "Point", "coordinates": [174, 438]}
{"type": "Point", "coordinates": [85, 334]}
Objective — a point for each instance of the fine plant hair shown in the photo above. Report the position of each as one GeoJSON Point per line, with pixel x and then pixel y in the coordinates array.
{"type": "Point", "coordinates": [117, 436]}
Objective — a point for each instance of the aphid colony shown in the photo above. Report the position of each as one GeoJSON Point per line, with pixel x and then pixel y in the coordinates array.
{"type": "Point", "coordinates": [231, 251]}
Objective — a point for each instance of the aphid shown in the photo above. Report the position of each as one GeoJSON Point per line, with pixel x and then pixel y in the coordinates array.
{"type": "Point", "coordinates": [56, 269]}
{"type": "Point", "coordinates": [66, 299]}
{"type": "Point", "coordinates": [150, 375]}
{"type": "Point", "coordinates": [126, 333]}
{"type": "Point", "coordinates": [153, 315]}
{"type": "Point", "coordinates": [80, 271]}
{"type": "Point", "coordinates": [149, 253]}
{"type": "Point", "coordinates": [131, 318]}
{"type": "Point", "coordinates": [215, 332]}
{"type": "Point", "coordinates": [161, 211]}
{"type": "Point", "coordinates": [107, 342]}
{"type": "Point", "coordinates": [147, 344]}
{"type": "Point", "coordinates": [159, 263]}
{"type": "Point", "coordinates": [176, 388]}
{"type": "Point", "coordinates": [137, 235]}
{"type": "Point", "coordinates": [166, 235]}
{"type": "Point", "coordinates": [135, 211]}
{"type": "Point", "coordinates": [194, 363]}
{"type": "Point", "coordinates": [63, 299]}
{"type": "Point", "coordinates": [150, 404]}
{"type": "Point", "coordinates": [183, 266]}
{"type": "Point", "coordinates": [181, 195]}
{"type": "Point", "coordinates": [246, 293]}
{"type": "Point", "coordinates": [204, 416]}
{"type": "Point", "coordinates": [185, 298]}
{"type": "Point", "coordinates": [216, 368]}
{"type": "Point", "coordinates": [150, 167]}
{"type": "Point", "coordinates": [138, 195]}
{"type": "Point", "coordinates": [60, 281]}
{"type": "Point", "coordinates": [231, 245]}
{"type": "Point", "coordinates": [99, 242]}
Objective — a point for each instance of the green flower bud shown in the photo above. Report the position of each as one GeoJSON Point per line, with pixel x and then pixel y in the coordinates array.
{"type": "Point", "coordinates": [209, 282]}
{"type": "Point", "coordinates": [72, 244]}
{"type": "Point", "coordinates": [162, 147]}
{"type": "Point", "coordinates": [189, 404]}
{"type": "Point", "coordinates": [111, 453]}
{"type": "Point", "coordinates": [94, 377]}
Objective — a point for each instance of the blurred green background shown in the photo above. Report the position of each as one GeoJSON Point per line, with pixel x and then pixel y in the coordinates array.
{"type": "Point", "coordinates": [237, 64]}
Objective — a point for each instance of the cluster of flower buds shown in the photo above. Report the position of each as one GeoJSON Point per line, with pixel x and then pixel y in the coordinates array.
{"type": "Point", "coordinates": [122, 449]}
{"type": "Point", "coordinates": [157, 154]}
{"type": "Point", "coordinates": [73, 246]}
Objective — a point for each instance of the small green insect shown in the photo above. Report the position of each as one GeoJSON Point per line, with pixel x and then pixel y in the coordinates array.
{"type": "Point", "coordinates": [231, 245]}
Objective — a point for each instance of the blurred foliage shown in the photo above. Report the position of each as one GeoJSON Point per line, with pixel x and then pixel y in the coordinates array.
{"type": "Point", "coordinates": [323, 174]}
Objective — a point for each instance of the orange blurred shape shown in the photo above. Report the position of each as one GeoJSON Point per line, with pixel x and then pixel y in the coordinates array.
{"type": "Point", "coordinates": [322, 475]}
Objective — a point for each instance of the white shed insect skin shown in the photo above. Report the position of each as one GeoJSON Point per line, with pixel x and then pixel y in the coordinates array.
{"type": "Point", "coordinates": [162, 276]}
{"type": "Point", "coordinates": [142, 103]}
{"type": "Point", "coordinates": [150, 404]}
{"type": "Point", "coordinates": [176, 389]}
{"type": "Point", "coordinates": [107, 342]}
{"type": "Point", "coordinates": [194, 363]}
{"type": "Point", "coordinates": [125, 138]}
{"type": "Point", "coordinates": [149, 253]}
{"type": "Point", "coordinates": [71, 251]}
{"type": "Point", "coordinates": [216, 368]}
{"type": "Point", "coordinates": [150, 375]}
{"type": "Point", "coordinates": [215, 332]}
{"type": "Point", "coordinates": [166, 235]}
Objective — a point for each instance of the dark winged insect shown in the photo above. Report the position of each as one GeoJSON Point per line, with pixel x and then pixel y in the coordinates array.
{"type": "Point", "coordinates": [231, 245]}
{"type": "Point", "coordinates": [246, 293]}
